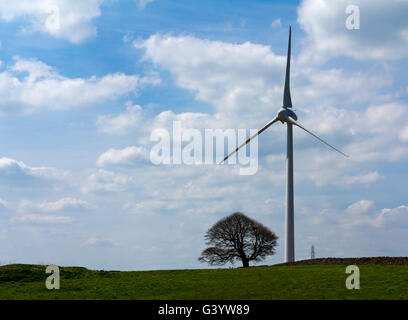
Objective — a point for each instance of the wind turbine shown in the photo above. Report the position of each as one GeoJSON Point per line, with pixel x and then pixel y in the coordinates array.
{"type": "Point", "coordinates": [286, 114]}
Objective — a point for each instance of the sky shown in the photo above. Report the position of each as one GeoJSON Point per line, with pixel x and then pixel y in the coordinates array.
{"type": "Point", "coordinates": [84, 83]}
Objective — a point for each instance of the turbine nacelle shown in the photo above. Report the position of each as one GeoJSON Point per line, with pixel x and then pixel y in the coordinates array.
{"type": "Point", "coordinates": [285, 113]}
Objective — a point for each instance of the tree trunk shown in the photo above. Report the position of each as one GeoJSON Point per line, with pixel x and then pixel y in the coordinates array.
{"type": "Point", "coordinates": [245, 262]}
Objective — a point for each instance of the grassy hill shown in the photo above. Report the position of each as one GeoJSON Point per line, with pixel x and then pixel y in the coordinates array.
{"type": "Point", "coordinates": [377, 281]}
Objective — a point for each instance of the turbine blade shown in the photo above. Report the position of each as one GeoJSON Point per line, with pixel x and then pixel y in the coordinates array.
{"type": "Point", "coordinates": [249, 139]}
{"type": "Point", "coordinates": [287, 101]}
{"type": "Point", "coordinates": [290, 120]}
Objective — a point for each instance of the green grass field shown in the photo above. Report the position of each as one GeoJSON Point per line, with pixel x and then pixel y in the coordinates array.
{"type": "Point", "coordinates": [275, 282]}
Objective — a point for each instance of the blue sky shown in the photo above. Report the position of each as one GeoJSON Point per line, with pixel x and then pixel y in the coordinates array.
{"type": "Point", "coordinates": [78, 104]}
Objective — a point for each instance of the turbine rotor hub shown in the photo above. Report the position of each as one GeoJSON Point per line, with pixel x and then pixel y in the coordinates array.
{"type": "Point", "coordinates": [285, 113]}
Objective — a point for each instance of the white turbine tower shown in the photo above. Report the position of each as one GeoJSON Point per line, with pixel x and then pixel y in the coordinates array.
{"type": "Point", "coordinates": [285, 114]}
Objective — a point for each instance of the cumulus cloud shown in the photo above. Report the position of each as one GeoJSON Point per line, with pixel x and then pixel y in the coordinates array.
{"type": "Point", "coordinates": [351, 113]}
{"type": "Point", "coordinates": [121, 123]}
{"type": "Point", "coordinates": [30, 86]}
{"type": "Point", "coordinates": [372, 134]}
{"type": "Point", "coordinates": [11, 169]}
{"type": "Point", "coordinates": [228, 76]}
{"type": "Point", "coordinates": [196, 120]}
{"type": "Point", "coordinates": [393, 217]}
{"type": "Point", "coordinates": [63, 19]}
{"type": "Point", "coordinates": [360, 207]}
{"type": "Point", "coordinates": [202, 190]}
{"type": "Point", "coordinates": [362, 213]}
{"type": "Point", "coordinates": [362, 229]}
{"type": "Point", "coordinates": [242, 81]}
{"type": "Point", "coordinates": [126, 156]}
{"type": "Point", "coordinates": [377, 136]}
{"type": "Point", "coordinates": [383, 32]}
{"type": "Point", "coordinates": [247, 78]}
{"type": "Point", "coordinates": [104, 180]}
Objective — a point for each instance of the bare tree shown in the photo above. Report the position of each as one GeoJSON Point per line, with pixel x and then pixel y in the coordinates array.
{"type": "Point", "coordinates": [238, 237]}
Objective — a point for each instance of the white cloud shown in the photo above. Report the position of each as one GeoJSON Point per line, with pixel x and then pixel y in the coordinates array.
{"type": "Point", "coordinates": [126, 156]}
{"type": "Point", "coordinates": [56, 206]}
{"type": "Point", "coordinates": [30, 86]}
{"type": "Point", "coordinates": [321, 89]}
{"type": "Point", "coordinates": [40, 219]}
{"type": "Point", "coordinates": [196, 120]}
{"type": "Point", "coordinates": [4, 203]}
{"type": "Point", "coordinates": [144, 3]}
{"type": "Point", "coordinates": [361, 206]}
{"type": "Point", "coordinates": [362, 213]}
{"type": "Point", "coordinates": [229, 76]}
{"type": "Point", "coordinates": [247, 79]}
{"type": "Point", "coordinates": [404, 134]}
{"type": "Point", "coordinates": [372, 134]}
{"type": "Point", "coordinates": [276, 23]}
{"type": "Point", "coordinates": [362, 230]}
{"type": "Point", "coordinates": [382, 34]}
{"type": "Point", "coordinates": [216, 71]}
{"type": "Point", "coordinates": [122, 123]}
{"type": "Point", "coordinates": [200, 190]}
{"type": "Point", "coordinates": [394, 217]}
{"type": "Point", "coordinates": [366, 178]}
{"type": "Point", "coordinates": [14, 169]}
{"type": "Point", "coordinates": [348, 109]}
{"type": "Point", "coordinates": [103, 180]}
{"type": "Point", "coordinates": [65, 19]}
